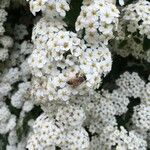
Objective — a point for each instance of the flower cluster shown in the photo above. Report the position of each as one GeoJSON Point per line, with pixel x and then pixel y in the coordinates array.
{"type": "Point", "coordinates": [51, 8]}
{"type": "Point", "coordinates": [99, 19]}
{"type": "Point", "coordinates": [137, 88]}
{"type": "Point", "coordinates": [7, 120]}
{"type": "Point", "coordinates": [137, 16]}
{"type": "Point", "coordinates": [101, 110]}
{"type": "Point", "coordinates": [141, 117]}
{"type": "Point", "coordinates": [13, 141]}
{"type": "Point", "coordinates": [60, 58]}
{"type": "Point", "coordinates": [63, 66]}
{"type": "Point", "coordinates": [120, 139]}
{"type": "Point", "coordinates": [21, 98]}
{"type": "Point", "coordinates": [64, 130]}
{"type": "Point", "coordinates": [5, 41]}
{"type": "Point", "coordinates": [131, 84]}
{"type": "Point", "coordinates": [3, 15]}
{"type": "Point", "coordinates": [133, 30]}
{"type": "Point", "coordinates": [14, 72]}
{"type": "Point", "coordinates": [55, 90]}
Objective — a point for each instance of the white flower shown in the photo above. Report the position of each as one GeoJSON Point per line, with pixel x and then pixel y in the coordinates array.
{"type": "Point", "coordinates": [61, 7]}
{"type": "Point", "coordinates": [64, 94]}
{"type": "Point", "coordinates": [106, 16]}
{"type": "Point", "coordinates": [106, 28]}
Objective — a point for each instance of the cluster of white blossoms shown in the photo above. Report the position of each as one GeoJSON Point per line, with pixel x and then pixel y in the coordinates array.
{"type": "Point", "coordinates": [141, 117]}
{"type": "Point", "coordinates": [102, 123]}
{"type": "Point", "coordinates": [64, 129]}
{"type": "Point", "coordinates": [14, 84]}
{"type": "Point", "coordinates": [7, 120]}
{"type": "Point", "coordinates": [66, 70]}
{"type": "Point", "coordinates": [64, 67]}
{"type": "Point", "coordinates": [6, 42]}
{"type": "Point", "coordinates": [99, 19]}
{"type": "Point", "coordinates": [3, 15]}
{"type": "Point", "coordinates": [51, 91]}
{"type": "Point", "coordinates": [131, 84]}
{"type": "Point", "coordinates": [132, 48]}
{"type": "Point", "coordinates": [13, 142]}
{"type": "Point", "coordinates": [145, 95]}
{"type": "Point", "coordinates": [132, 45]}
{"type": "Point", "coordinates": [97, 113]}
{"type": "Point", "coordinates": [50, 8]}
{"type": "Point", "coordinates": [137, 88]}
{"type": "Point", "coordinates": [137, 16]}
{"type": "Point", "coordinates": [133, 30]}
{"type": "Point", "coordinates": [21, 98]}
{"type": "Point", "coordinates": [62, 64]}
{"type": "Point", "coordinates": [120, 139]}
